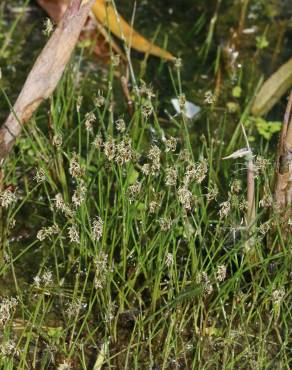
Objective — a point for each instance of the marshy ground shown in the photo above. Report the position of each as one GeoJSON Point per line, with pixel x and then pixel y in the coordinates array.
{"type": "Point", "coordinates": [123, 231]}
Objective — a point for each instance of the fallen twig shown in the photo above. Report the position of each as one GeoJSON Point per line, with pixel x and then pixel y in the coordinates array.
{"type": "Point", "coordinates": [46, 72]}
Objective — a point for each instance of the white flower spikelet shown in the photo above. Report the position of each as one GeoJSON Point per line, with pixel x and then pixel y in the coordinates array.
{"type": "Point", "coordinates": [169, 259]}
{"type": "Point", "coordinates": [40, 176]}
{"type": "Point", "coordinates": [79, 195]}
{"type": "Point", "coordinates": [185, 197]}
{"type": "Point", "coordinates": [75, 169]}
{"type": "Point", "coordinates": [7, 197]}
{"type": "Point", "coordinates": [73, 234]}
{"type": "Point", "coordinates": [47, 232]}
{"type": "Point", "coordinates": [224, 209]}
{"type": "Point", "coordinates": [97, 229]}
{"type": "Point", "coordinates": [7, 306]}
{"type": "Point", "coordinates": [221, 273]}
{"type": "Point", "coordinates": [278, 296]}
{"type": "Point", "coordinates": [9, 349]}
{"type": "Point", "coordinates": [101, 270]}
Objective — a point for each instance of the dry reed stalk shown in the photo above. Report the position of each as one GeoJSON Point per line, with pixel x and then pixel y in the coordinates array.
{"type": "Point", "coordinates": [283, 186]}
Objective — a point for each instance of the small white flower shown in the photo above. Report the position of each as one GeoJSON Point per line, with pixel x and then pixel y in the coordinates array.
{"type": "Point", "coordinates": [169, 259]}
{"type": "Point", "coordinates": [221, 273]}
{"type": "Point", "coordinates": [209, 97]}
{"type": "Point", "coordinates": [7, 306]}
{"type": "Point", "coordinates": [99, 100]}
{"type": "Point", "coordinates": [48, 27]}
{"type": "Point", "coordinates": [89, 120]}
{"type": "Point", "coordinates": [185, 197]}
{"type": "Point", "coordinates": [97, 229]}
{"type": "Point", "coordinates": [120, 125]}
{"type": "Point", "coordinates": [7, 197]}
{"type": "Point", "coordinates": [47, 232]}
{"type": "Point", "coordinates": [278, 296]}
{"type": "Point", "coordinates": [9, 349]}
{"type": "Point", "coordinates": [73, 234]}
{"type": "Point", "coordinates": [40, 176]}
{"type": "Point", "coordinates": [224, 208]}
{"type": "Point", "coordinates": [153, 206]}
{"type": "Point", "coordinates": [57, 140]}
{"type": "Point", "coordinates": [79, 195]}
{"type": "Point", "coordinates": [78, 103]}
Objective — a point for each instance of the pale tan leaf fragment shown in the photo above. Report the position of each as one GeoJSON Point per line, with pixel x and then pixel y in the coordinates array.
{"type": "Point", "coordinates": [101, 357]}
{"type": "Point", "coordinates": [106, 15]}
{"type": "Point", "coordinates": [273, 89]}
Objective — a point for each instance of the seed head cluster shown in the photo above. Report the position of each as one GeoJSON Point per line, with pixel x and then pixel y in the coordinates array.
{"type": "Point", "coordinates": [124, 151]}
{"type": "Point", "coordinates": [97, 228]}
{"type": "Point", "coordinates": [185, 197]}
{"type": "Point", "coordinates": [209, 98]}
{"type": "Point", "coordinates": [147, 109]}
{"type": "Point", "coordinates": [134, 191]}
{"type": "Point", "coordinates": [75, 169]}
{"type": "Point", "coordinates": [7, 306]}
{"type": "Point", "coordinates": [236, 186]}
{"type": "Point", "coordinates": [44, 280]}
{"type": "Point", "coordinates": [224, 209]}
{"type": "Point", "coordinates": [79, 103]}
{"type": "Point", "coordinates": [40, 176]}
{"type": "Point", "coordinates": [59, 204]}
{"type": "Point", "coordinates": [57, 140]}
{"type": "Point", "coordinates": [101, 269]}
{"type": "Point", "coordinates": [97, 142]}
{"type": "Point", "coordinates": [153, 206]}
{"type": "Point", "coordinates": [7, 197]}
{"type": "Point", "coordinates": [267, 200]}
{"type": "Point", "coordinates": [178, 63]}
{"type": "Point", "coordinates": [170, 144]}
{"type": "Point", "coordinates": [261, 164]}
{"type": "Point", "coordinates": [47, 232]}
{"type": "Point", "coordinates": [212, 192]}
{"type": "Point", "coordinates": [109, 148]}
{"type": "Point", "coordinates": [203, 278]}
{"type": "Point", "coordinates": [165, 223]}
{"type": "Point", "coordinates": [169, 259]}
{"type": "Point", "coordinates": [48, 27]}
{"type": "Point", "coordinates": [89, 121]}
{"type": "Point", "coordinates": [74, 308]}
{"type": "Point", "coordinates": [221, 273]}
{"type": "Point", "coordinates": [99, 101]}
{"type": "Point", "coordinates": [79, 194]}
{"type": "Point", "coordinates": [264, 227]}
{"type": "Point", "coordinates": [182, 101]}
{"type": "Point", "coordinates": [120, 125]}
{"type": "Point", "coordinates": [196, 172]}
{"type": "Point", "coordinates": [171, 175]}
{"type": "Point", "coordinates": [278, 296]}
{"type": "Point", "coordinates": [8, 349]}
{"type": "Point", "coordinates": [73, 234]}
{"type": "Point", "coordinates": [154, 156]}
